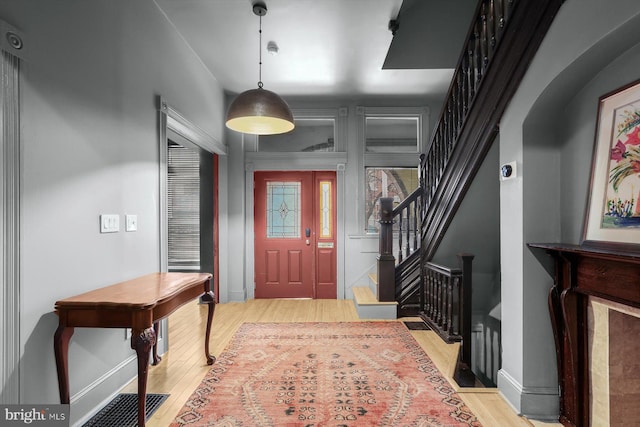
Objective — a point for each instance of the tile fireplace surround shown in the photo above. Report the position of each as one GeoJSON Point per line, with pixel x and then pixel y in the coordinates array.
{"type": "Point", "coordinates": [595, 314]}
{"type": "Point", "coordinates": [614, 365]}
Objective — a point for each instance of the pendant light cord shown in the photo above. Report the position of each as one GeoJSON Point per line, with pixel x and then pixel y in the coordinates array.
{"type": "Point", "coordinates": [260, 55]}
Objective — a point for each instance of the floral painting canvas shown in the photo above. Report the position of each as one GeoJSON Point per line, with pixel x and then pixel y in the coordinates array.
{"type": "Point", "coordinates": [613, 211]}
{"type": "Point", "coordinates": [622, 208]}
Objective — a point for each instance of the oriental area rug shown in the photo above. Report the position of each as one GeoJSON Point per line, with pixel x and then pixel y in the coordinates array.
{"type": "Point", "coordinates": [324, 374]}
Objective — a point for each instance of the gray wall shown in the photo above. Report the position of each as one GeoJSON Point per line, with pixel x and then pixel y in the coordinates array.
{"type": "Point", "coordinates": [475, 229]}
{"type": "Point", "coordinates": [548, 129]}
{"type": "Point", "coordinates": [90, 82]}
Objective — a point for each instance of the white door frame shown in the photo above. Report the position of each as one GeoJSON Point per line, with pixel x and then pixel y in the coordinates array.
{"type": "Point", "coordinates": [173, 125]}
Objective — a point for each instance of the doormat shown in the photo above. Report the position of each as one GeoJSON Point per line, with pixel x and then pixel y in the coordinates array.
{"type": "Point", "coordinates": [417, 326]}
{"type": "Point", "coordinates": [349, 374]}
{"type": "Point", "coordinates": [122, 411]}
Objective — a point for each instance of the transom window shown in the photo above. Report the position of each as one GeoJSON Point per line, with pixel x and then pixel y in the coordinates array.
{"type": "Point", "coordinates": [309, 135]}
{"type": "Point", "coordinates": [392, 134]}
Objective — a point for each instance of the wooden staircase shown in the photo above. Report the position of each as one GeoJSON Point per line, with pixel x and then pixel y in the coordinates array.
{"type": "Point", "coordinates": [503, 38]}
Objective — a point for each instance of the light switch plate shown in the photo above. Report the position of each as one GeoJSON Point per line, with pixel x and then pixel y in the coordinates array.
{"type": "Point", "coordinates": [109, 223]}
{"type": "Point", "coordinates": [131, 223]}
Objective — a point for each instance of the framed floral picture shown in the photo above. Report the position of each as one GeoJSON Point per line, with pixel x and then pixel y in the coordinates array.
{"type": "Point", "coordinates": [613, 208]}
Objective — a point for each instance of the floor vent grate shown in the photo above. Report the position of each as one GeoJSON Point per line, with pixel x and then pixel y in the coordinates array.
{"type": "Point", "coordinates": [122, 411]}
{"type": "Point", "coordinates": [417, 326]}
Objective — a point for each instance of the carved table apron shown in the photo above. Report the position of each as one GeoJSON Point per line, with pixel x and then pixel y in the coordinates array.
{"type": "Point", "coordinates": [138, 304]}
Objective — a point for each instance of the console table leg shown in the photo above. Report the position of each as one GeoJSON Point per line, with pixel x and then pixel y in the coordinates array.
{"type": "Point", "coordinates": [142, 342]}
{"type": "Point", "coordinates": [210, 299]}
{"type": "Point", "coordinates": [61, 350]}
{"type": "Point", "coordinates": [156, 359]}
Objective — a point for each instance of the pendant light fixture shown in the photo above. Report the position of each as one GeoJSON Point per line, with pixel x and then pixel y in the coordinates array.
{"type": "Point", "coordinates": [259, 111]}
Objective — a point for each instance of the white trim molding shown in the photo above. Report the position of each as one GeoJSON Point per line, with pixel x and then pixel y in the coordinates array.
{"type": "Point", "coordinates": [539, 403]}
{"type": "Point", "coordinates": [10, 162]}
{"type": "Point", "coordinates": [391, 159]}
{"type": "Point", "coordinates": [191, 132]}
{"type": "Point", "coordinates": [172, 123]}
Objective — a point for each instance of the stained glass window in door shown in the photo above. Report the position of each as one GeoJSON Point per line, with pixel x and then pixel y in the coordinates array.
{"type": "Point", "coordinates": [283, 210]}
{"type": "Point", "coordinates": [325, 210]}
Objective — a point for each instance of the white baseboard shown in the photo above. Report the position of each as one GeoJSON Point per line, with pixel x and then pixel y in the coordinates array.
{"type": "Point", "coordinates": [237, 296]}
{"type": "Point", "coordinates": [537, 403]}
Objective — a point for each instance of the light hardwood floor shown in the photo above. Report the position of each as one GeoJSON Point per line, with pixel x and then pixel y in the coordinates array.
{"type": "Point", "coordinates": [183, 366]}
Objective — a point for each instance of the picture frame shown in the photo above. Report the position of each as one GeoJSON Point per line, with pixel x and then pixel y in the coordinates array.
{"type": "Point", "coordinates": [612, 219]}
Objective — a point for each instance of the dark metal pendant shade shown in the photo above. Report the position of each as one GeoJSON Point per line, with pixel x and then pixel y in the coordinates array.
{"type": "Point", "coordinates": [259, 112]}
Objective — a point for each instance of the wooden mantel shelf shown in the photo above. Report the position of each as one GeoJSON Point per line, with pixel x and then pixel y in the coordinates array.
{"type": "Point", "coordinates": [595, 251]}
{"type": "Point", "coordinates": [580, 272]}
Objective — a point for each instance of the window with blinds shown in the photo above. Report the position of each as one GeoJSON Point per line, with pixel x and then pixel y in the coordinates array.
{"type": "Point", "coordinates": [183, 208]}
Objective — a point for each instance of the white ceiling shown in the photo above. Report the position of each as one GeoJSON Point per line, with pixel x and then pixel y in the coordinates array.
{"type": "Point", "coordinates": [327, 47]}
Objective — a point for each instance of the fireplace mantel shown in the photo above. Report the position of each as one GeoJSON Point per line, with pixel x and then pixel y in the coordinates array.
{"type": "Point", "coordinates": [581, 272]}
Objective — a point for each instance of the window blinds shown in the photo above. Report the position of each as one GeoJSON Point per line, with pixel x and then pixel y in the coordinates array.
{"type": "Point", "coordinates": [183, 208]}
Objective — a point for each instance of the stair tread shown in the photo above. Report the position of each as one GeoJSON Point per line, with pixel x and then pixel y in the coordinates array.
{"type": "Point", "coordinates": [364, 296]}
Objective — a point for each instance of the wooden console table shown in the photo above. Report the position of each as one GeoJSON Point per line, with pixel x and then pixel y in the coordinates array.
{"type": "Point", "coordinates": [138, 304]}
{"type": "Point", "coordinates": [581, 272]}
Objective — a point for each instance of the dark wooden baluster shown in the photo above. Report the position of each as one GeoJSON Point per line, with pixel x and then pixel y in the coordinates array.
{"type": "Point", "coordinates": [491, 28]}
{"type": "Point", "coordinates": [439, 305]}
{"type": "Point", "coordinates": [445, 298]}
{"type": "Point", "coordinates": [484, 37]}
{"type": "Point", "coordinates": [457, 292]}
{"type": "Point", "coordinates": [400, 222]}
{"type": "Point", "coordinates": [477, 71]}
{"type": "Point", "coordinates": [471, 77]}
{"type": "Point", "coordinates": [416, 209]}
{"type": "Point", "coordinates": [450, 308]}
{"type": "Point", "coordinates": [464, 76]}
{"type": "Point", "coordinates": [432, 295]}
{"type": "Point", "coordinates": [500, 19]}
{"type": "Point", "coordinates": [408, 231]}
{"type": "Point", "coordinates": [461, 101]}
{"type": "Point", "coordinates": [427, 295]}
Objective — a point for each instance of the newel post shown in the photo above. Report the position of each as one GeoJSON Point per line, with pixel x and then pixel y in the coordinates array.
{"type": "Point", "coordinates": [386, 289]}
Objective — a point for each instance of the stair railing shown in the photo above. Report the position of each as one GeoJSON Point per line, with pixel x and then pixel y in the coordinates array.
{"type": "Point", "coordinates": [399, 233]}
{"type": "Point", "coordinates": [503, 38]}
{"type": "Point", "coordinates": [408, 216]}
{"type": "Point", "coordinates": [447, 299]}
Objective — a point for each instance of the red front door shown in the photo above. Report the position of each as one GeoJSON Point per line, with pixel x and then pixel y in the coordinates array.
{"type": "Point", "coordinates": [295, 254]}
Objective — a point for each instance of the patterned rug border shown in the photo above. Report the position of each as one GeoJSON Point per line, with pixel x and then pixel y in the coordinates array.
{"type": "Point", "coordinates": [200, 408]}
